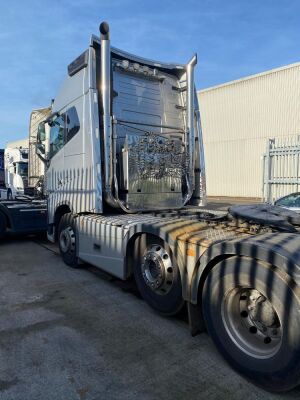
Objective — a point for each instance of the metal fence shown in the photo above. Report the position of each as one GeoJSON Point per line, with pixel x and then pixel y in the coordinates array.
{"type": "Point", "coordinates": [281, 170]}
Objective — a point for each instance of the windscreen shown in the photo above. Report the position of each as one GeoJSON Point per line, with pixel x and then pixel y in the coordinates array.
{"type": "Point", "coordinates": [22, 169]}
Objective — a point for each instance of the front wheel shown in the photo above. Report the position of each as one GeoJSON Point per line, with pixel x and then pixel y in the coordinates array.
{"type": "Point", "coordinates": [251, 312]}
{"type": "Point", "coordinates": [67, 240]}
{"type": "Point", "coordinates": [157, 275]}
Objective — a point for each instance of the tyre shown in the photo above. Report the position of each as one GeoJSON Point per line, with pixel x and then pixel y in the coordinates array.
{"type": "Point", "coordinates": [252, 314]}
{"type": "Point", "coordinates": [157, 275]}
{"type": "Point", "coordinates": [67, 240]}
{"type": "Point", "coordinates": [2, 225]}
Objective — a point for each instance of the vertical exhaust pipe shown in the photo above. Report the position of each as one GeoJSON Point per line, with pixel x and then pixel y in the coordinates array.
{"type": "Point", "coordinates": [199, 195]}
{"type": "Point", "coordinates": [106, 106]}
{"type": "Point", "coordinates": [190, 122]}
{"type": "Point", "coordinates": [110, 180]}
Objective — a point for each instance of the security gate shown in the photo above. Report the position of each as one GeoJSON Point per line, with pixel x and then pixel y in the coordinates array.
{"type": "Point", "coordinates": [281, 170]}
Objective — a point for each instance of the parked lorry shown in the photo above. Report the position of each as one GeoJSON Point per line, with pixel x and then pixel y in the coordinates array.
{"type": "Point", "coordinates": [36, 166]}
{"type": "Point", "coordinates": [22, 216]}
{"type": "Point", "coordinates": [23, 209]}
{"type": "Point", "coordinates": [126, 189]}
{"type": "Point", "coordinates": [15, 169]}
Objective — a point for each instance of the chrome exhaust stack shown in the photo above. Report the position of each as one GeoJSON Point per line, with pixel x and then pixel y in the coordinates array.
{"type": "Point", "coordinates": [199, 196]}
{"type": "Point", "coordinates": [106, 106]}
{"type": "Point", "coordinates": [190, 123]}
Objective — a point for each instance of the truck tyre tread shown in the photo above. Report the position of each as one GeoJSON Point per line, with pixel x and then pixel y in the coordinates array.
{"type": "Point", "coordinates": [68, 250]}
{"type": "Point", "coordinates": [280, 370]}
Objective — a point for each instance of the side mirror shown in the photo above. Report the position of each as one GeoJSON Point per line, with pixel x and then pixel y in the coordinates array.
{"type": "Point", "coordinates": [40, 148]}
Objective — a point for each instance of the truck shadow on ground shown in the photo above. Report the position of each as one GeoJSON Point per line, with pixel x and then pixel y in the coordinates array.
{"type": "Point", "coordinates": [130, 286]}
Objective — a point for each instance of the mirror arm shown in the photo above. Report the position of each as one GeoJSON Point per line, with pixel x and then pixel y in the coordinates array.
{"type": "Point", "coordinates": [43, 159]}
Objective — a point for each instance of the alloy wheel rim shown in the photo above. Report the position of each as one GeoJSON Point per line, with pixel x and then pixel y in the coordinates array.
{"type": "Point", "coordinates": [67, 240]}
{"type": "Point", "coordinates": [157, 269]}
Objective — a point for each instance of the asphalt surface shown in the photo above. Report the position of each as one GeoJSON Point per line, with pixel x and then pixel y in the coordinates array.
{"type": "Point", "coordinates": [80, 334]}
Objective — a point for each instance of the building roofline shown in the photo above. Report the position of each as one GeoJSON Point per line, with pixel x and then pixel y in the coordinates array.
{"type": "Point", "coordinates": [249, 77]}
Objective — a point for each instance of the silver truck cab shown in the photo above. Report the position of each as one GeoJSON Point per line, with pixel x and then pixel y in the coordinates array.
{"type": "Point", "coordinates": [150, 155]}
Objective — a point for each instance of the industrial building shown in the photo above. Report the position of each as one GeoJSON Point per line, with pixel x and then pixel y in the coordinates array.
{"type": "Point", "coordinates": [238, 118]}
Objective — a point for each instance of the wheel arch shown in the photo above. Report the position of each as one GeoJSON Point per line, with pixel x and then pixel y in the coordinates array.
{"type": "Point", "coordinates": [61, 209]}
{"type": "Point", "coordinates": [280, 250]}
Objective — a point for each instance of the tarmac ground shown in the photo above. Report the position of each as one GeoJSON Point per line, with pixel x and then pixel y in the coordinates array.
{"type": "Point", "coordinates": [80, 334]}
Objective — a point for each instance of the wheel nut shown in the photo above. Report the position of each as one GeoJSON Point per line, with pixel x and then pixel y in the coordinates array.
{"type": "Point", "coordinates": [253, 329]}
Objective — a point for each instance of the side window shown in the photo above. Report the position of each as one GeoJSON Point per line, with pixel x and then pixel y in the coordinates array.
{"type": "Point", "coordinates": [57, 135]}
{"type": "Point", "coordinates": [72, 123]}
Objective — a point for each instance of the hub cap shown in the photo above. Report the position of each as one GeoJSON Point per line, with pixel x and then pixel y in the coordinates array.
{"type": "Point", "coordinates": [252, 322]}
{"type": "Point", "coordinates": [67, 240]}
{"type": "Point", "coordinates": [157, 269]}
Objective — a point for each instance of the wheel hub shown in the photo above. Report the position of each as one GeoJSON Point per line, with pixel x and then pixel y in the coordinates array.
{"type": "Point", "coordinates": [252, 322]}
{"type": "Point", "coordinates": [157, 269]}
{"type": "Point", "coordinates": [67, 240]}
{"type": "Point", "coordinates": [261, 311]}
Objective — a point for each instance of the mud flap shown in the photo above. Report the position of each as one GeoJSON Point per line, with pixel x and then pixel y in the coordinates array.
{"type": "Point", "coordinates": [196, 322]}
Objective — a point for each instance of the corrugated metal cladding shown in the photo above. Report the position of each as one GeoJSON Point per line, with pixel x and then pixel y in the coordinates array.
{"type": "Point", "coordinates": [238, 118]}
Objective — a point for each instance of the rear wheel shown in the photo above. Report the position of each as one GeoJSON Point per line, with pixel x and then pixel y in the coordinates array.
{"type": "Point", "coordinates": [157, 275]}
{"type": "Point", "coordinates": [252, 314]}
{"type": "Point", "coordinates": [67, 240]}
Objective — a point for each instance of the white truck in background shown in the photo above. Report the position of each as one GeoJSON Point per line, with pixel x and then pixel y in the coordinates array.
{"type": "Point", "coordinates": [23, 208]}
{"type": "Point", "coordinates": [23, 170]}
{"type": "Point", "coordinates": [125, 184]}
{"type": "Point", "coordinates": [36, 166]}
{"type": "Point", "coordinates": [15, 169]}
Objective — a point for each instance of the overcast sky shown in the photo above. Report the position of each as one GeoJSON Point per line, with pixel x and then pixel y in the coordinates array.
{"type": "Point", "coordinates": [233, 38]}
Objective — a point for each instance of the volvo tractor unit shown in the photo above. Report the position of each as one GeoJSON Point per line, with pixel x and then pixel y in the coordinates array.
{"type": "Point", "coordinates": [125, 181]}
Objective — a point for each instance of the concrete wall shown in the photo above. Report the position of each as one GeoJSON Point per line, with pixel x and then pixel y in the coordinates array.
{"type": "Point", "coordinates": [238, 118]}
